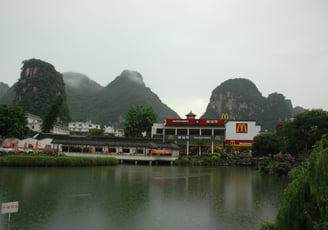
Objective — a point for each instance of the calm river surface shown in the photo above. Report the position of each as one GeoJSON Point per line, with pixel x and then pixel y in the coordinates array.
{"type": "Point", "coordinates": [139, 197]}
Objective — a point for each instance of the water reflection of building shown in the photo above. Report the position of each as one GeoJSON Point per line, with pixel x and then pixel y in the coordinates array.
{"type": "Point", "coordinates": [238, 189]}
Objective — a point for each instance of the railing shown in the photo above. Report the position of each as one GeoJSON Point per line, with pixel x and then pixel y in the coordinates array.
{"type": "Point", "coordinates": [134, 157]}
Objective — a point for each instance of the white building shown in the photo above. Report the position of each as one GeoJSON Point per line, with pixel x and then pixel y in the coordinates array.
{"type": "Point", "coordinates": [34, 122]}
{"type": "Point", "coordinates": [82, 126]}
{"type": "Point", "coordinates": [60, 129]}
{"type": "Point", "coordinates": [241, 133]}
{"type": "Point", "coordinates": [110, 130]}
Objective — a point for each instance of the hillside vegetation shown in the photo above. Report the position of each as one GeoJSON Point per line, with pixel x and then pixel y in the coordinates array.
{"type": "Point", "coordinates": [85, 99]}
{"type": "Point", "coordinates": [241, 100]}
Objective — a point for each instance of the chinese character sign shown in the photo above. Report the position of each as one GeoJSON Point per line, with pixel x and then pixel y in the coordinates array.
{"type": "Point", "coordinates": [9, 207]}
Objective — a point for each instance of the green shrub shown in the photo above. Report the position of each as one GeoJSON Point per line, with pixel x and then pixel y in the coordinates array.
{"type": "Point", "coordinates": [183, 161]}
{"type": "Point", "coordinates": [212, 159]}
{"type": "Point", "coordinates": [48, 161]}
{"type": "Point", "coordinates": [272, 167]}
{"type": "Point", "coordinates": [267, 225]}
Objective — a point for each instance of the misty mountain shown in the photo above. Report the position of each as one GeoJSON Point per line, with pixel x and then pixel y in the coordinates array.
{"type": "Point", "coordinates": [38, 88]}
{"type": "Point", "coordinates": [3, 89]}
{"type": "Point", "coordinates": [87, 100]}
{"type": "Point", "coordinates": [241, 100]}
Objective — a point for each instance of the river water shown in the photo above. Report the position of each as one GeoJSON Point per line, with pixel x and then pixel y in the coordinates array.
{"type": "Point", "coordinates": [139, 197]}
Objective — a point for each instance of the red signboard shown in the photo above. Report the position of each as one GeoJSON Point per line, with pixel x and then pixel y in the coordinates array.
{"type": "Point", "coordinates": [238, 142]}
{"type": "Point", "coordinates": [195, 122]}
{"type": "Point", "coordinates": [206, 121]}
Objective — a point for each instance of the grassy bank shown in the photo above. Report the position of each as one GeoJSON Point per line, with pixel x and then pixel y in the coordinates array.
{"type": "Point", "coordinates": [55, 161]}
{"type": "Point", "coordinates": [217, 159]}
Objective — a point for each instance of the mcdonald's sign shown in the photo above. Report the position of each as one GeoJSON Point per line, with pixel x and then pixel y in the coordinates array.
{"type": "Point", "coordinates": [241, 127]}
{"type": "Point", "coordinates": [224, 116]}
{"type": "Point", "coordinates": [232, 142]}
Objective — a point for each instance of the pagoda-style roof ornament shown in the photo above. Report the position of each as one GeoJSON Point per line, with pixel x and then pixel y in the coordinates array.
{"type": "Point", "coordinates": [190, 115]}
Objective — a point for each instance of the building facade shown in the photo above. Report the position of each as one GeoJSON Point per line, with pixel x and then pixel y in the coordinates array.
{"type": "Point", "coordinates": [34, 122]}
{"type": "Point", "coordinates": [82, 126]}
{"type": "Point", "coordinates": [194, 136]}
{"type": "Point", "coordinates": [206, 135]}
{"type": "Point", "coordinates": [240, 134]}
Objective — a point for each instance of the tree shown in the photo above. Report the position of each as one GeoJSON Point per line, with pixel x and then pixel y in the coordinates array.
{"type": "Point", "coordinates": [304, 204]}
{"type": "Point", "coordinates": [304, 130]}
{"type": "Point", "coordinates": [96, 132]}
{"type": "Point", "coordinates": [50, 119]}
{"type": "Point", "coordinates": [139, 120]}
{"type": "Point", "coordinates": [266, 143]}
{"type": "Point", "coordinates": [13, 122]}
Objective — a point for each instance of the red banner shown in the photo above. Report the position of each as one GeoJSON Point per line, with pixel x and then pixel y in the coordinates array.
{"type": "Point", "coordinates": [195, 122]}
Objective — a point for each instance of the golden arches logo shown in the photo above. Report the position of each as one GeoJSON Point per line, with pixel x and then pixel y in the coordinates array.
{"type": "Point", "coordinates": [225, 116]}
{"type": "Point", "coordinates": [232, 142]}
{"type": "Point", "coordinates": [241, 127]}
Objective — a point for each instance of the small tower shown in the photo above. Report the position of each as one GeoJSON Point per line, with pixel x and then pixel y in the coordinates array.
{"type": "Point", "coordinates": [191, 115]}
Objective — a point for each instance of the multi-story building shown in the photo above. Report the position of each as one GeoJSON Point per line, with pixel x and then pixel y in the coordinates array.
{"type": "Point", "coordinates": [194, 136]}
{"type": "Point", "coordinates": [34, 123]}
{"type": "Point", "coordinates": [82, 126]}
{"type": "Point", "coordinates": [206, 135]}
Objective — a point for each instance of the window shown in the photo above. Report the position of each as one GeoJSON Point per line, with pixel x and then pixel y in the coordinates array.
{"type": "Point", "coordinates": [98, 149]}
{"type": "Point", "coordinates": [207, 132]}
{"type": "Point", "coordinates": [170, 131]}
{"type": "Point", "coordinates": [194, 132]}
{"type": "Point", "coordinates": [182, 131]}
{"type": "Point", "coordinates": [159, 131]}
{"type": "Point", "coordinates": [139, 151]}
{"type": "Point", "coordinates": [112, 150]}
{"type": "Point", "coordinates": [218, 132]}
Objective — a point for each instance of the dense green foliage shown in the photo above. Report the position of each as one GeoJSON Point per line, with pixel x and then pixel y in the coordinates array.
{"type": "Point", "coordinates": [89, 101]}
{"type": "Point", "coordinates": [273, 167]}
{"type": "Point", "coordinates": [241, 100]}
{"type": "Point", "coordinates": [38, 88]}
{"type": "Point", "coordinates": [183, 161]}
{"type": "Point", "coordinates": [139, 120]}
{"type": "Point", "coordinates": [305, 202]}
{"type": "Point", "coordinates": [50, 118]}
{"type": "Point", "coordinates": [55, 161]}
{"type": "Point", "coordinates": [13, 122]}
{"type": "Point", "coordinates": [212, 159]}
{"type": "Point", "coordinates": [96, 132]}
{"type": "Point", "coordinates": [296, 136]}
{"type": "Point", "coordinates": [300, 134]}
{"type": "Point", "coordinates": [266, 143]}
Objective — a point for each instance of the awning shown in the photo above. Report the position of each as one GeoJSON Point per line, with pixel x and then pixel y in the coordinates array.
{"type": "Point", "coordinates": [161, 151]}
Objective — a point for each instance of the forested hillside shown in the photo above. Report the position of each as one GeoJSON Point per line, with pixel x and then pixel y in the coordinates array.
{"type": "Point", "coordinates": [241, 100]}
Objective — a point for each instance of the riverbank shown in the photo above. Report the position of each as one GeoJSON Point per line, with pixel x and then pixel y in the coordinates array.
{"type": "Point", "coordinates": [263, 164]}
{"type": "Point", "coordinates": [55, 161]}
{"type": "Point", "coordinates": [218, 159]}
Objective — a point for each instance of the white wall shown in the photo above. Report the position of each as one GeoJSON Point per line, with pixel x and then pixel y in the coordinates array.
{"type": "Point", "coordinates": [249, 134]}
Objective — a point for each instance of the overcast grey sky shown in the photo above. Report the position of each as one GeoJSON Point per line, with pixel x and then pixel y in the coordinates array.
{"type": "Point", "coordinates": [182, 48]}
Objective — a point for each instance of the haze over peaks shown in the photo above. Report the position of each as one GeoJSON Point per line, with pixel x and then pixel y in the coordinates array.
{"type": "Point", "coordinates": [132, 76]}
{"type": "Point", "coordinates": [79, 80]}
